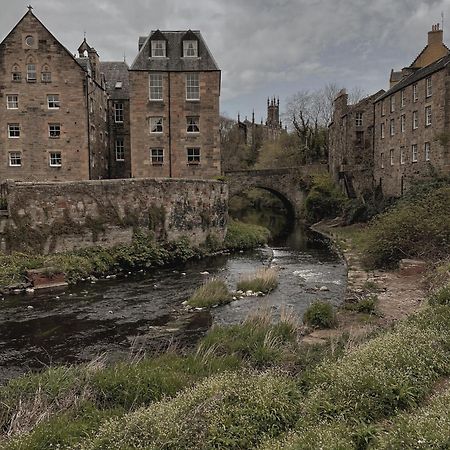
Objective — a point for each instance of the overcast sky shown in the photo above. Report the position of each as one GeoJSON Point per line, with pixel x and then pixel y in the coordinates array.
{"type": "Point", "coordinates": [264, 47]}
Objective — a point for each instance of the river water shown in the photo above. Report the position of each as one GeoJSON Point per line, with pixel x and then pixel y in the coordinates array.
{"type": "Point", "coordinates": [144, 311]}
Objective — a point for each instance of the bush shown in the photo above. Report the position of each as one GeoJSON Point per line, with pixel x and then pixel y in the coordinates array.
{"type": "Point", "coordinates": [441, 296]}
{"type": "Point", "coordinates": [211, 293]}
{"type": "Point", "coordinates": [227, 411]}
{"type": "Point", "coordinates": [324, 200]}
{"type": "Point", "coordinates": [365, 306]}
{"type": "Point", "coordinates": [320, 314]}
{"type": "Point", "coordinates": [242, 236]}
{"type": "Point", "coordinates": [264, 280]}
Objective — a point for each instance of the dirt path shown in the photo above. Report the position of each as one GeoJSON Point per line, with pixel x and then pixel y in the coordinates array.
{"type": "Point", "coordinates": [398, 295]}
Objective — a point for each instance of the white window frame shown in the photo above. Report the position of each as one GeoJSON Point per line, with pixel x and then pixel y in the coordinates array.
{"type": "Point", "coordinates": [383, 110]}
{"type": "Point", "coordinates": [392, 103]}
{"type": "Point", "coordinates": [192, 86]}
{"type": "Point", "coordinates": [52, 157]}
{"type": "Point", "coordinates": [46, 77]}
{"type": "Point", "coordinates": [118, 112]}
{"type": "Point", "coordinates": [402, 98]}
{"type": "Point", "coordinates": [193, 124]}
{"type": "Point", "coordinates": [157, 156]}
{"type": "Point", "coordinates": [429, 87]}
{"type": "Point", "coordinates": [31, 74]}
{"type": "Point", "coordinates": [156, 87]}
{"type": "Point", "coordinates": [190, 49]}
{"type": "Point", "coordinates": [382, 130]}
{"type": "Point", "coordinates": [13, 129]}
{"type": "Point", "coordinates": [159, 49]}
{"type": "Point", "coordinates": [427, 151]}
{"type": "Point", "coordinates": [12, 155]}
{"type": "Point", "coordinates": [54, 130]}
{"type": "Point", "coordinates": [414, 153]}
{"type": "Point", "coordinates": [391, 156]}
{"type": "Point", "coordinates": [402, 156]}
{"type": "Point", "coordinates": [402, 123]}
{"type": "Point", "coordinates": [119, 149]}
{"type": "Point", "coordinates": [54, 100]}
{"type": "Point", "coordinates": [415, 93]}
{"type": "Point", "coordinates": [193, 155]}
{"type": "Point", "coordinates": [359, 119]}
{"type": "Point", "coordinates": [16, 76]}
{"type": "Point", "coordinates": [156, 125]}
{"type": "Point", "coordinates": [382, 160]}
{"type": "Point", "coordinates": [428, 116]}
{"type": "Point", "coordinates": [392, 127]}
{"type": "Point", "coordinates": [415, 120]}
{"type": "Point", "coordinates": [12, 101]}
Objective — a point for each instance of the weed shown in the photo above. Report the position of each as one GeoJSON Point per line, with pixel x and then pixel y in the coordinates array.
{"type": "Point", "coordinates": [264, 280]}
{"type": "Point", "coordinates": [320, 314]}
{"type": "Point", "coordinates": [212, 292]}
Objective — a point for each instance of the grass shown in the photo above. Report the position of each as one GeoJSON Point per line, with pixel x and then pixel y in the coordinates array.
{"type": "Point", "coordinates": [211, 293]}
{"type": "Point", "coordinates": [243, 236]}
{"type": "Point", "coordinates": [320, 314]}
{"type": "Point", "coordinates": [366, 305]}
{"type": "Point", "coordinates": [264, 280]}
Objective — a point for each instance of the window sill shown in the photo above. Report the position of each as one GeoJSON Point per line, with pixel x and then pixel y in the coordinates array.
{"type": "Point", "coordinates": [13, 137]}
{"type": "Point", "coordinates": [15, 165]}
{"type": "Point", "coordinates": [193, 133]}
{"type": "Point", "coordinates": [54, 137]}
{"type": "Point", "coordinates": [55, 166]}
{"type": "Point", "coordinates": [193, 100]}
{"type": "Point", "coordinates": [193, 163]}
{"type": "Point", "coordinates": [120, 160]}
{"type": "Point", "coordinates": [157, 164]}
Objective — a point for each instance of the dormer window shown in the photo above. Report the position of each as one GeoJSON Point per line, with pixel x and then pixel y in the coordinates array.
{"type": "Point", "coordinates": [158, 49]}
{"type": "Point", "coordinates": [190, 49]}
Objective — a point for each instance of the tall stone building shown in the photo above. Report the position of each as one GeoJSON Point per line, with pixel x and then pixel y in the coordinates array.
{"type": "Point", "coordinates": [174, 107]}
{"type": "Point", "coordinates": [53, 106]}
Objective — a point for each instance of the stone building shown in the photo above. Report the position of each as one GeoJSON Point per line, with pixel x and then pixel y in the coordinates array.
{"type": "Point", "coordinates": [53, 107]}
{"type": "Point", "coordinates": [351, 144]}
{"type": "Point", "coordinates": [174, 107]}
{"type": "Point", "coordinates": [412, 120]}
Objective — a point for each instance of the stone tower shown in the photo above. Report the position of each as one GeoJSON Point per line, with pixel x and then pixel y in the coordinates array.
{"type": "Point", "coordinates": [273, 112]}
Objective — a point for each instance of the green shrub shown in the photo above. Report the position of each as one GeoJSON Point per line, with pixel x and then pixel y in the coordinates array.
{"type": "Point", "coordinates": [212, 292]}
{"type": "Point", "coordinates": [264, 280]}
{"type": "Point", "coordinates": [441, 296]}
{"type": "Point", "coordinates": [228, 411]}
{"type": "Point", "coordinates": [320, 314]}
{"type": "Point", "coordinates": [242, 236]}
{"type": "Point", "coordinates": [365, 306]}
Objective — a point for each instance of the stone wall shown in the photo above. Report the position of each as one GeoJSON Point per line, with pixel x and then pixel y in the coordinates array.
{"type": "Point", "coordinates": [55, 217]}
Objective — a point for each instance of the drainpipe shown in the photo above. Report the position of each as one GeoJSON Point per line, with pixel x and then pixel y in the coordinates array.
{"type": "Point", "coordinates": [88, 125]}
{"type": "Point", "coordinates": [170, 129]}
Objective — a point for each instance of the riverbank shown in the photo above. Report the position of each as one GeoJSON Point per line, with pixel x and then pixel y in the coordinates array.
{"type": "Point", "coordinates": [144, 253]}
{"type": "Point", "coordinates": [395, 295]}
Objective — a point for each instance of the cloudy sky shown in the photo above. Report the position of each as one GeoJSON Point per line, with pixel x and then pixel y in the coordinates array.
{"type": "Point", "coordinates": [264, 47]}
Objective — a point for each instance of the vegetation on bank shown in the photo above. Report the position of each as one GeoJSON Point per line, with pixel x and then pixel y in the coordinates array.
{"type": "Point", "coordinates": [320, 314]}
{"type": "Point", "coordinates": [213, 292]}
{"type": "Point", "coordinates": [264, 280]}
{"type": "Point", "coordinates": [143, 253]}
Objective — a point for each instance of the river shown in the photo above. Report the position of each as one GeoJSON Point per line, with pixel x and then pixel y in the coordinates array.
{"type": "Point", "coordinates": [144, 311]}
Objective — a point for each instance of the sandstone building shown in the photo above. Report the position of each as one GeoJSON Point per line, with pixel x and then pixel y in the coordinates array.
{"type": "Point", "coordinates": [394, 138]}
{"type": "Point", "coordinates": [66, 118]}
{"type": "Point", "coordinates": [174, 107]}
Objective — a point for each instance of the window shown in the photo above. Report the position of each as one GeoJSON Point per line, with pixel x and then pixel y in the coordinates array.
{"type": "Point", "coordinates": [402, 123]}
{"type": "Point", "coordinates": [156, 125]}
{"type": "Point", "coordinates": [193, 155]}
{"type": "Point", "coordinates": [415, 96]}
{"type": "Point", "coordinates": [427, 151]}
{"type": "Point", "coordinates": [46, 77]}
{"type": "Point", "coordinates": [158, 49]}
{"type": "Point", "coordinates": [120, 149]}
{"type": "Point", "coordinates": [402, 156]}
{"type": "Point", "coordinates": [427, 116]}
{"type": "Point", "coordinates": [15, 159]}
{"type": "Point", "coordinates": [392, 127]}
{"type": "Point", "coordinates": [359, 119]}
{"type": "Point", "coordinates": [382, 108]}
{"type": "Point", "coordinates": [429, 90]}
{"type": "Point", "coordinates": [157, 156]}
{"type": "Point", "coordinates": [192, 86]}
{"type": "Point", "coordinates": [13, 130]}
{"type": "Point", "coordinates": [382, 130]}
{"type": "Point", "coordinates": [118, 112]}
{"type": "Point", "coordinates": [402, 98]}
{"type": "Point", "coordinates": [54, 130]}
{"type": "Point", "coordinates": [29, 40]}
{"type": "Point", "coordinates": [392, 103]}
{"type": "Point", "coordinates": [12, 101]}
{"type": "Point", "coordinates": [118, 85]}
{"type": "Point", "coordinates": [31, 72]}
{"type": "Point", "coordinates": [55, 159]}
{"type": "Point", "coordinates": [391, 156]}
{"type": "Point", "coordinates": [193, 124]}
{"type": "Point", "coordinates": [53, 101]}
{"type": "Point", "coordinates": [415, 153]}
{"type": "Point", "coordinates": [190, 49]}
{"type": "Point", "coordinates": [359, 138]}
{"type": "Point", "coordinates": [16, 75]}
{"type": "Point", "coordinates": [415, 120]}
{"type": "Point", "coordinates": [156, 86]}
{"type": "Point", "coordinates": [382, 160]}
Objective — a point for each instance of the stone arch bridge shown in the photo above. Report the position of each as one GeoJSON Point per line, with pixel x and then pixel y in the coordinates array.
{"type": "Point", "coordinates": [288, 184]}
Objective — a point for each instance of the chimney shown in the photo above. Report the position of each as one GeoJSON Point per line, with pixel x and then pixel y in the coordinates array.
{"type": "Point", "coordinates": [435, 36]}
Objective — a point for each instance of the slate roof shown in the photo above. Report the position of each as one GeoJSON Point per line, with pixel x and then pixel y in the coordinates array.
{"type": "Point", "coordinates": [116, 72]}
{"type": "Point", "coordinates": [84, 63]}
{"type": "Point", "coordinates": [174, 50]}
{"type": "Point", "coordinates": [418, 75]}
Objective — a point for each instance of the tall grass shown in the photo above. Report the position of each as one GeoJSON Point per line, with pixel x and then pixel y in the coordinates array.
{"type": "Point", "coordinates": [212, 292]}
{"type": "Point", "coordinates": [264, 280]}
